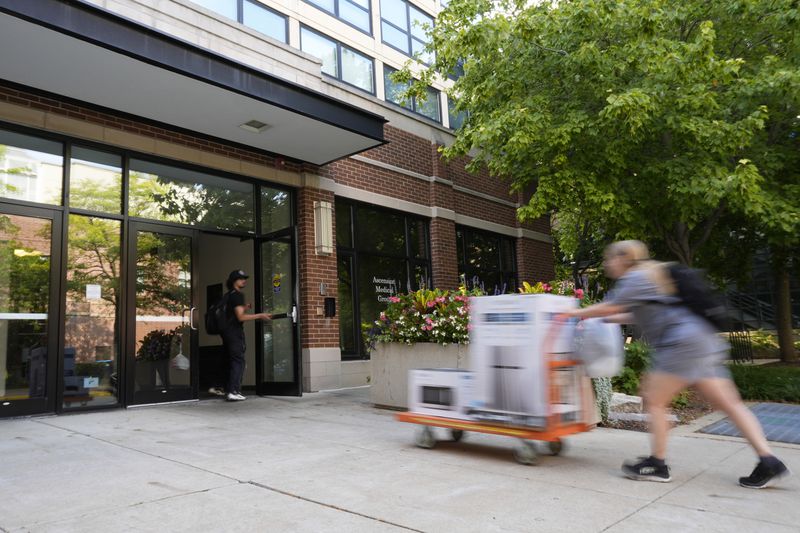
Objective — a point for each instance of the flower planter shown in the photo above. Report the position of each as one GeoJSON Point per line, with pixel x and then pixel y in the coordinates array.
{"type": "Point", "coordinates": [392, 361]}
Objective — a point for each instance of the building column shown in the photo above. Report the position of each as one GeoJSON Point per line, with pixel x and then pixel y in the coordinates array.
{"type": "Point", "coordinates": [317, 279]}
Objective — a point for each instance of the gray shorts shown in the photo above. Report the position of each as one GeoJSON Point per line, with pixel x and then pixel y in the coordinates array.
{"type": "Point", "coordinates": [689, 362]}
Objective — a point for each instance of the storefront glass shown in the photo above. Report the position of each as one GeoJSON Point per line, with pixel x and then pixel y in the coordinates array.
{"type": "Point", "coordinates": [91, 324]}
{"type": "Point", "coordinates": [486, 260]}
{"type": "Point", "coordinates": [31, 169]}
{"type": "Point", "coordinates": [173, 194]}
{"type": "Point", "coordinates": [380, 253]}
{"type": "Point", "coordinates": [95, 181]}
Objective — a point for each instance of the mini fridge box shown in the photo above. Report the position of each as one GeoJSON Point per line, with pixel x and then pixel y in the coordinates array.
{"type": "Point", "coordinates": [446, 392]}
{"type": "Point", "coordinates": [510, 337]}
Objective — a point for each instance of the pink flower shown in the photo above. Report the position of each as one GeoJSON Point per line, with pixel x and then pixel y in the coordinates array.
{"type": "Point", "coordinates": [383, 316]}
{"type": "Point", "coordinates": [394, 299]}
{"type": "Point", "coordinates": [579, 294]}
{"type": "Point", "coordinates": [546, 287]}
{"type": "Point", "coordinates": [431, 303]}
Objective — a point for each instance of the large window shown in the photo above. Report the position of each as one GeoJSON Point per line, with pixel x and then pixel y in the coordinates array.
{"type": "Point", "coordinates": [402, 28]}
{"type": "Point", "coordinates": [91, 324]}
{"type": "Point", "coordinates": [251, 13]}
{"type": "Point", "coordinates": [31, 169]}
{"type": "Point", "coordinates": [354, 12]}
{"type": "Point", "coordinates": [486, 260]}
{"type": "Point", "coordinates": [380, 253]}
{"type": "Point", "coordinates": [174, 194]}
{"type": "Point", "coordinates": [95, 180]}
{"type": "Point", "coordinates": [429, 107]}
{"type": "Point", "coordinates": [339, 61]}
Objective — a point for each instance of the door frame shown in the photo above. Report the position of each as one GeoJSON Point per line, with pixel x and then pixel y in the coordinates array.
{"type": "Point", "coordinates": [269, 388]}
{"type": "Point", "coordinates": [132, 398]}
{"type": "Point", "coordinates": [55, 321]}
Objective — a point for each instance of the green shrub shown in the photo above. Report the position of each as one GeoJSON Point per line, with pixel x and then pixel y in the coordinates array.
{"type": "Point", "coordinates": [602, 392]}
{"type": "Point", "coordinates": [768, 383]}
{"type": "Point", "coordinates": [637, 359]}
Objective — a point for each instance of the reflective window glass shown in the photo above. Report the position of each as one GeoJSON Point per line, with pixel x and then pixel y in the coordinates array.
{"type": "Point", "coordinates": [357, 69]}
{"type": "Point", "coordinates": [91, 323]}
{"type": "Point", "coordinates": [25, 244]}
{"type": "Point", "coordinates": [430, 106]}
{"type": "Point", "coordinates": [95, 180]}
{"type": "Point", "coordinates": [404, 26]}
{"type": "Point", "coordinates": [379, 278]}
{"type": "Point", "coordinates": [344, 234]}
{"type": "Point", "coordinates": [394, 11]}
{"type": "Point", "coordinates": [320, 47]}
{"type": "Point", "coordinates": [376, 265]}
{"type": "Point", "coordinates": [487, 260]}
{"type": "Point", "coordinates": [276, 209]}
{"type": "Point", "coordinates": [264, 20]}
{"type": "Point", "coordinates": [226, 8]}
{"type": "Point", "coordinates": [31, 169]}
{"type": "Point", "coordinates": [173, 194]}
{"type": "Point", "coordinates": [355, 12]}
{"type": "Point", "coordinates": [327, 5]}
{"type": "Point", "coordinates": [380, 231]}
{"type": "Point", "coordinates": [393, 91]}
{"type": "Point", "coordinates": [394, 37]}
{"type": "Point", "coordinates": [347, 330]}
{"type": "Point", "coordinates": [355, 15]}
{"type": "Point", "coordinates": [418, 238]}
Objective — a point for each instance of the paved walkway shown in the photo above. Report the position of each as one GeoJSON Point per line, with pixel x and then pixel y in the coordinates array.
{"type": "Point", "coordinates": [330, 462]}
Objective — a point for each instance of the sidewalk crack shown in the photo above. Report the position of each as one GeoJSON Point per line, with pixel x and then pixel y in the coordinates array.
{"type": "Point", "coordinates": [334, 507]}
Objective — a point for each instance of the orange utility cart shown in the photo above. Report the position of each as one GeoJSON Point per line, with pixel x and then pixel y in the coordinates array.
{"type": "Point", "coordinates": [566, 383]}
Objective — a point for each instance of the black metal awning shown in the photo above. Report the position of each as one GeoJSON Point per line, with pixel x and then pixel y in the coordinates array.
{"type": "Point", "coordinates": [85, 53]}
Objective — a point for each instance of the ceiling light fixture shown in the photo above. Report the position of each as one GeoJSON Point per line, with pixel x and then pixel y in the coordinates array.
{"type": "Point", "coordinates": [254, 126]}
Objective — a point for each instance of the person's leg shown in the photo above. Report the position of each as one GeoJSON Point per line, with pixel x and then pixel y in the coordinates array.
{"type": "Point", "coordinates": [658, 390]}
{"type": "Point", "coordinates": [723, 395]}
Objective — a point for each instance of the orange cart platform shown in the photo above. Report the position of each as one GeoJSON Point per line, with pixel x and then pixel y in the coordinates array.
{"type": "Point", "coordinates": [552, 432]}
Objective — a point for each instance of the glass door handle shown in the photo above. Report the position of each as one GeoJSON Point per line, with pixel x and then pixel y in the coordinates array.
{"type": "Point", "coordinates": [191, 319]}
{"type": "Point", "coordinates": [293, 314]}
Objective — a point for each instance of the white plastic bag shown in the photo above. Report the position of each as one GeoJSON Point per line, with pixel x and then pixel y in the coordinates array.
{"type": "Point", "coordinates": [180, 361]}
{"type": "Point", "coordinates": [598, 344]}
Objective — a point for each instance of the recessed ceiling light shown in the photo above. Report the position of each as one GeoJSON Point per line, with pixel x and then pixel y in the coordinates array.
{"type": "Point", "coordinates": [254, 126]}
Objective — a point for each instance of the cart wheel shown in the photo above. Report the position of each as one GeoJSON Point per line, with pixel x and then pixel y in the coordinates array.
{"type": "Point", "coordinates": [525, 453]}
{"type": "Point", "coordinates": [555, 447]}
{"type": "Point", "coordinates": [457, 434]}
{"type": "Point", "coordinates": [425, 438]}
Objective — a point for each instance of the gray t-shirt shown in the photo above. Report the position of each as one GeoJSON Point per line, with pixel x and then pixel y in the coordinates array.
{"type": "Point", "coordinates": [674, 331]}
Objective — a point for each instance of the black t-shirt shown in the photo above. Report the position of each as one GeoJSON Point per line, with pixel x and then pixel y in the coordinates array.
{"type": "Point", "coordinates": [235, 299]}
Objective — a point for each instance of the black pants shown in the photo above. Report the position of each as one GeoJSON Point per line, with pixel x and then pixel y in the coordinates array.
{"type": "Point", "coordinates": [233, 341]}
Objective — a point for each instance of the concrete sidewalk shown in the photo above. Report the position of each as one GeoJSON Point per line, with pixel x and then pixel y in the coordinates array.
{"type": "Point", "coordinates": [330, 462]}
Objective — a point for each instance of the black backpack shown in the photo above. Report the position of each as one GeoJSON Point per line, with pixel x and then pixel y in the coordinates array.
{"type": "Point", "coordinates": [216, 319]}
{"type": "Point", "coordinates": [696, 293]}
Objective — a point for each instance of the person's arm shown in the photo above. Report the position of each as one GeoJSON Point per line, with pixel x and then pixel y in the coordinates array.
{"type": "Point", "coordinates": [601, 309]}
{"type": "Point", "coordinates": [242, 316]}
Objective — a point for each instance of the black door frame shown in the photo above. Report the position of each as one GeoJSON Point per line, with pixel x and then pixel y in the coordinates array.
{"type": "Point", "coordinates": [55, 326]}
{"type": "Point", "coordinates": [133, 398]}
{"type": "Point", "coordinates": [267, 388]}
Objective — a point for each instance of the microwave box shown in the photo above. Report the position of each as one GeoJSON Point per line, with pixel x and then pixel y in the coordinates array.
{"type": "Point", "coordinates": [509, 339]}
{"type": "Point", "coordinates": [446, 392]}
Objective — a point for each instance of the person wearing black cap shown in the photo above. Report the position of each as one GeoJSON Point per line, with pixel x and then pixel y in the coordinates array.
{"type": "Point", "coordinates": [233, 333]}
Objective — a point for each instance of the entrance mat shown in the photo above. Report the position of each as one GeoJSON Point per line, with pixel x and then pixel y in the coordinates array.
{"type": "Point", "coordinates": [781, 423]}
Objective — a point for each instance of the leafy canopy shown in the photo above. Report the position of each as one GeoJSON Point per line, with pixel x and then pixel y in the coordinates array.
{"type": "Point", "coordinates": [654, 118]}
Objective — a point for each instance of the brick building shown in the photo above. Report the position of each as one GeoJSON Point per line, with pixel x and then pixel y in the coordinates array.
{"type": "Point", "coordinates": [149, 148]}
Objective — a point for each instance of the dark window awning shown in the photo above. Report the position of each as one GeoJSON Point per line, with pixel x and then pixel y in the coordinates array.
{"type": "Point", "coordinates": [84, 53]}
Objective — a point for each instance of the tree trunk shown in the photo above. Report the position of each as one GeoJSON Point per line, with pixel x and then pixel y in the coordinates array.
{"type": "Point", "coordinates": [783, 311]}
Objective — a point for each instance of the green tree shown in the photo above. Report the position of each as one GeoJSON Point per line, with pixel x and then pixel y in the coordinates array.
{"type": "Point", "coordinates": [660, 119]}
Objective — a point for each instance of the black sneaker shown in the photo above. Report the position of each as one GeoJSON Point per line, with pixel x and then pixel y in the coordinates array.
{"type": "Point", "coordinates": [647, 469]}
{"type": "Point", "coordinates": [765, 474]}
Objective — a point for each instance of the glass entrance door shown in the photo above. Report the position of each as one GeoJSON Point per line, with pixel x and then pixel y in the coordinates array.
{"type": "Point", "coordinates": [278, 364]}
{"type": "Point", "coordinates": [29, 270]}
{"type": "Point", "coordinates": [162, 341]}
